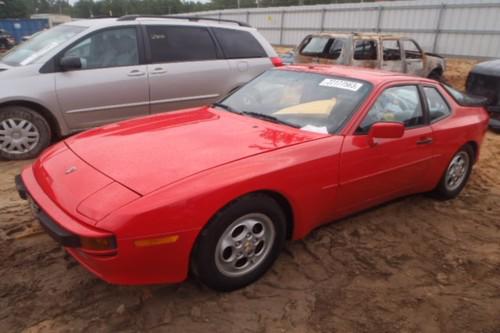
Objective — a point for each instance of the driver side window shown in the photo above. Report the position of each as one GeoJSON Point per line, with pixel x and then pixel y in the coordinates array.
{"type": "Point", "coordinates": [399, 104]}
{"type": "Point", "coordinates": [108, 48]}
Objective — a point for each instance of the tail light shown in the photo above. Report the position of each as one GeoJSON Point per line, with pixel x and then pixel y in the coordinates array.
{"type": "Point", "coordinates": [102, 246]}
{"type": "Point", "coordinates": [277, 62]}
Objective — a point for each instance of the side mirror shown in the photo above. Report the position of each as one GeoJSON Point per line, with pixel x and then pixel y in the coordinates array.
{"type": "Point", "coordinates": [70, 63]}
{"type": "Point", "coordinates": [385, 130]}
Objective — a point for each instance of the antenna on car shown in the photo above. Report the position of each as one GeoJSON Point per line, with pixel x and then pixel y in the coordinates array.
{"type": "Point", "coordinates": [188, 18]}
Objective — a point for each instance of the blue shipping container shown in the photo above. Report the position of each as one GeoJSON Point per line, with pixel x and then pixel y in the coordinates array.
{"type": "Point", "coordinates": [19, 28]}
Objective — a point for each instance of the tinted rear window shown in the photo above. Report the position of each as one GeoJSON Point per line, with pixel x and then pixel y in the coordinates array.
{"type": "Point", "coordinates": [176, 44]}
{"type": "Point", "coordinates": [239, 44]}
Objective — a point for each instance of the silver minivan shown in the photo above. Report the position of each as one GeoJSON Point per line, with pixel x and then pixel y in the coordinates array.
{"type": "Point", "coordinates": [90, 72]}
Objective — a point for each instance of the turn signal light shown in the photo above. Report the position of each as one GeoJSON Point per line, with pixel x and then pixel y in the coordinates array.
{"type": "Point", "coordinates": [156, 241]}
{"type": "Point", "coordinates": [98, 246]}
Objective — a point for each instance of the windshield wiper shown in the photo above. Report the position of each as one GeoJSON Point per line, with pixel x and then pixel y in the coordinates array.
{"type": "Point", "coordinates": [226, 107]}
{"type": "Point", "coordinates": [269, 118]}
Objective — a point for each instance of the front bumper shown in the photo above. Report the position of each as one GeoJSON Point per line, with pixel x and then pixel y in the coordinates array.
{"type": "Point", "coordinates": [131, 265]}
{"type": "Point", "coordinates": [58, 233]}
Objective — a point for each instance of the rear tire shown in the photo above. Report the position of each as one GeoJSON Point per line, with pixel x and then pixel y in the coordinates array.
{"type": "Point", "coordinates": [456, 175]}
{"type": "Point", "coordinates": [23, 133]}
{"type": "Point", "coordinates": [240, 243]}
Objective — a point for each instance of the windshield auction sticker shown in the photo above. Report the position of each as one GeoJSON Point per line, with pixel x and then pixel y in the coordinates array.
{"type": "Point", "coordinates": [341, 84]}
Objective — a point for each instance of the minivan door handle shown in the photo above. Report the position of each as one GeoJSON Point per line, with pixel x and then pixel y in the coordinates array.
{"type": "Point", "coordinates": [136, 72]}
{"type": "Point", "coordinates": [158, 71]}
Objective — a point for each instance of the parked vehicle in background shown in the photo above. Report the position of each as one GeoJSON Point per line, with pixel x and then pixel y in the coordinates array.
{"type": "Point", "coordinates": [387, 52]}
{"type": "Point", "coordinates": [6, 40]}
{"type": "Point", "coordinates": [484, 80]}
{"type": "Point", "coordinates": [217, 190]}
{"type": "Point", "coordinates": [91, 72]}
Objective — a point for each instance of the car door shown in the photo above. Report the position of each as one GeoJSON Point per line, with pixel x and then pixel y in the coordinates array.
{"type": "Point", "coordinates": [244, 53]}
{"type": "Point", "coordinates": [413, 57]}
{"type": "Point", "coordinates": [186, 69]}
{"type": "Point", "coordinates": [112, 83]}
{"type": "Point", "coordinates": [391, 56]}
{"type": "Point", "coordinates": [365, 53]}
{"type": "Point", "coordinates": [373, 173]}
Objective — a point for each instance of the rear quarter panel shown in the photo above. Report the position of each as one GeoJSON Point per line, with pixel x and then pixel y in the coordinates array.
{"type": "Point", "coordinates": [464, 125]}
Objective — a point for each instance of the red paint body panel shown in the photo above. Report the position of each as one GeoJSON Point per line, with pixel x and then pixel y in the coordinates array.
{"type": "Point", "coordinates": [169, 174]}
{"type": "Point", "coordinates": [162, 149]}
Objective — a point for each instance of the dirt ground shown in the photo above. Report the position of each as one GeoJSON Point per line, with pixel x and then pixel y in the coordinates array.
{"type": "Point", "coordinates": [414, 265]}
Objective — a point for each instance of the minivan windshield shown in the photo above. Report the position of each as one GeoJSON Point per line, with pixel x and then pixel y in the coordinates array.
{"type": "Point", "coordinates": [33, 49]}
{"type": "Point", "coordinates": [309, 101]}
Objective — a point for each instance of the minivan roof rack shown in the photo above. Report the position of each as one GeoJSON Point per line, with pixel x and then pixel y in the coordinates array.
{"type": "Point", "coordinates": [189, 18]}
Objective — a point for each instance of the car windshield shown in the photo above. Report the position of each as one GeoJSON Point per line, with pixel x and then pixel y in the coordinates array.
{"type": "Point", "coordinates": [40, 44]}
{"type": "Point", "coordinates": [309, 101]}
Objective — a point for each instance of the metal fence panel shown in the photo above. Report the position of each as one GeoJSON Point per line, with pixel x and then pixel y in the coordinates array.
{"type": "Point", "coordinates": [451, 27]}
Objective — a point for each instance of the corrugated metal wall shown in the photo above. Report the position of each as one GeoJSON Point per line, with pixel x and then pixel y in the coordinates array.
{"type": "Point", "coordinates": [468, 28]}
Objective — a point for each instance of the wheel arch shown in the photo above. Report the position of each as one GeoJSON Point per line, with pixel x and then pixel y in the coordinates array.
{"type": "Point", "coordinates": [475, 148]}
{"type": "Point", "coordinates": [282, 201]}
{"type": "Point", "coordinates": [40, 109]}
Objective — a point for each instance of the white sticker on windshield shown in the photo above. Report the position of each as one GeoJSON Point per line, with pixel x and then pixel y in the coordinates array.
{"type": "Point", "coordinates": [342, 84]}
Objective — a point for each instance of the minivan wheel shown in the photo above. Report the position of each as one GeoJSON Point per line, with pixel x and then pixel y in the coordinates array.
{"type": "Point", "coordinates": [23, 133]}
{"type": "Point", "coordinates": [240, 243]}
{"type": "Point", "coordinates": [456, 174]}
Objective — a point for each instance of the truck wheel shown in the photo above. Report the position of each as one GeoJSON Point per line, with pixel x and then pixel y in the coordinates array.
{"type": "Point", "coordinates": [23, 133]}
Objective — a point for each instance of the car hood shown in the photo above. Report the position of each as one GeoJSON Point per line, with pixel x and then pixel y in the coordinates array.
{"type": "Point", "coordinates": [145, 154]}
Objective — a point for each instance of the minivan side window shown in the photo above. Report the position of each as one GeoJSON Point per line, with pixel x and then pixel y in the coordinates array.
{"type": "Point", "coordinates": [438, 108]}
{"type": "Point", "coordinates": [178, 44]}
{"type": "Point", "coordinates": [365, 50]}
{"type": "Point", "coordinates": [107, 48]}
{"type": "Point", "coordinates": [238, 44]}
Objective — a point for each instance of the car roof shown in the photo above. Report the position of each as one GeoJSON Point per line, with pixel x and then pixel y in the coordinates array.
{"type": "Point", "coordinates": [107, 22]}
{"type": "Point", "coordinates": [489, 68]}
{"type": "Point", "coordinates": [359, 35]}
{"type": "Point", "coordinates": [374, 76]}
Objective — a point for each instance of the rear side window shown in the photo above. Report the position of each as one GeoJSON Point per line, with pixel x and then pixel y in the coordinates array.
{"type": "Point", "coordinates": [391, 50]}
{"type": "Point", "coordinates": [239, 44]}
{"type": "Point", "coordinates": [438, 108]}
{"type": "Point", "coordinates": [177, 44]}
{"type": "Point", "coordinates": [365, 50]}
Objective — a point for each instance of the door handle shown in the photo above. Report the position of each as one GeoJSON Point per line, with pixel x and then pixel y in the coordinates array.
{"type": "Point", "coordinates": [158, 70]}
{"type": "Point", "coordinates": [424, 141]}
{"type": "Point", "coordinates": [136, 72]}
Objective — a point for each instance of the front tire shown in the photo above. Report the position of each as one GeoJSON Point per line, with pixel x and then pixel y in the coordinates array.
{"type": "Point", "coordinates": [456, 174]}
{"type": "Point", "coordinates": [240, 243]}
{"type": "Point", "coordinates": [23, 133]}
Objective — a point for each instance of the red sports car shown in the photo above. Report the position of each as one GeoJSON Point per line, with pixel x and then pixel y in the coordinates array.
{"type": "Point", "coordinates": [217, 190]}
